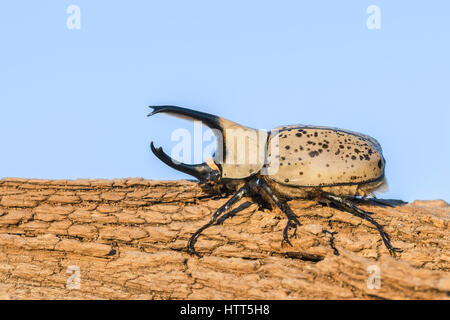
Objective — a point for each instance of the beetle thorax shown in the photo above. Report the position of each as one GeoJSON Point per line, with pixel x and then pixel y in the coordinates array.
{"type": "Point", "coordinates": [244, 151]}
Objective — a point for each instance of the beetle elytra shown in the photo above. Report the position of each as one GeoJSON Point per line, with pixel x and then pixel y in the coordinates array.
{"type": "Point", "coordinates": [288, 162]}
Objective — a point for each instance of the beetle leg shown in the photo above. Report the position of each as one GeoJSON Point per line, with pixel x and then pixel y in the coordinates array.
{"type": "Point", "coordinates": [332, 233]}
{"type": "Point", "coordinates": [235, 198]}
{"type": "Point", "coordinates": [292, 218]}
{"type": "Point", "coordinates": [381, 202]}
{"type": "Point", "coordinates": [349, 207]}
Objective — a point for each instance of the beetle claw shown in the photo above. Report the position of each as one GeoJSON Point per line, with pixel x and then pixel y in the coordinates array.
{"type": "Point", "coordinates": [392, 251]}
{"type": "Point", "coordinates": [332, 233]}
{"type": "Point", "coordinates": [286, 240]}
{"type": "Point", "coordinates": [286, 229]}
{"type": "Point", "coordinates": [191, 244]}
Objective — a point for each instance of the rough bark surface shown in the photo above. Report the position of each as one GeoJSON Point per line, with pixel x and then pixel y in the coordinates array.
{"type": "Point", "coordinates": [127, 238]}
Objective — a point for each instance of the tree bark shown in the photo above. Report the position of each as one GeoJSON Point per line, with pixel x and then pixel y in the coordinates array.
{"type": "Point", "coordinates": [126, 239]}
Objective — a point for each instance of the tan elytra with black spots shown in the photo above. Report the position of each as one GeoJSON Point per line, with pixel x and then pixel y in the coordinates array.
{"type": "Point", "coordinates": [343, 162]}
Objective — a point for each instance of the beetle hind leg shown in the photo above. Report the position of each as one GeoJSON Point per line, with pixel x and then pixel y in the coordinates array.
{"type": "Point", "coordinates": [349, 207]}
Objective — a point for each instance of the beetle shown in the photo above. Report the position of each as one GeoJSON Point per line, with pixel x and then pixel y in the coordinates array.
{"type": "Point", "coordinates": [288, 162]}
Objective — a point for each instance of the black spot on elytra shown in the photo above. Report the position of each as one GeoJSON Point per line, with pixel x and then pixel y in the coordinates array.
{"type": "Point", "coordinates": [286, 180]}
{"type": "Point", "coordinates": [300, 147]}
{"type": "Point", "coordinates": [315, 134]}
{"type": "Point", "coordinates": [320, 150]}
{"type": "Point", "coordinates": [357, 150]}
{"type": "Point", "coordinates": [337, 152]}
{"type": "Point", "coordinates": [300, 173]}
{"type": "Point", "coordinates": [287, 147]}
{"type": "Point", "coordinates": [353, 158]}
{"type": "Point", "coordinates": [283, 158]}
{"type": "Point", "coordinates": [298, 134]}
{"type": "Point", "coordinates": [325, 146]}
{"type": "Point", "coordinates": [313, 154]}
{"type": "Point", "coordinates": [341, 146]}
{"type": "Point", "coordinates": [379, 163]}
{"type": "Point", "coordinates": [366, 157]}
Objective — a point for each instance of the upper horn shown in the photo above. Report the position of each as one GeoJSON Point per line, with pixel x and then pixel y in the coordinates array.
{"type": "Point", "coordinates": [212, 121]}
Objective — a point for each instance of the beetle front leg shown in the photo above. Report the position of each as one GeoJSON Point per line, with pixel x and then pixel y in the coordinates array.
{"type": "Point", "coordinates": [292, 218]}
{"type": "Point", "coordinates": [235, 198]}
{"type": "Point", "coordinates": [349, 207]}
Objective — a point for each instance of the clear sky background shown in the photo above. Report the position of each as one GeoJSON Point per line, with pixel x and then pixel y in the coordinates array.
{"type": "Point", "coordinates": [73, 103]}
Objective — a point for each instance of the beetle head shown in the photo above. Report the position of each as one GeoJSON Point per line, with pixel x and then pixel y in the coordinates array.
{"type": "Point", "coordinates": [235, 142]}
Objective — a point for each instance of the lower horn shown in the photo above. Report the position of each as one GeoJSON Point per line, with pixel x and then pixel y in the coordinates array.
{"type": "Point", "coordinates": [200, 171]}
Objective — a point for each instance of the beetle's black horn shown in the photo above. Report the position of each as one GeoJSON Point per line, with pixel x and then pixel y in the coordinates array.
{"type": "Point", "coordinates": [210, 120]}
{"type": "Point", "coordinates": [200, 171]}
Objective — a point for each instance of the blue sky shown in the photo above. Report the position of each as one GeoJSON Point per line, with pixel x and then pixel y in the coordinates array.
{"type": "Point", "coordinates": [73, 103]}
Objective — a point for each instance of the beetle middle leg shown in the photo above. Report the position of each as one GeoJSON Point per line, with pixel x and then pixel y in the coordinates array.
{"type": "Point", "coordinates": [292, 218]}
{"type": "Point", "coordinates": [349, 207]}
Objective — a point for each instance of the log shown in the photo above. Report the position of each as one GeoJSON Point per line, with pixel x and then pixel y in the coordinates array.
{"type": "Point", "coordinates": [126, 239]}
